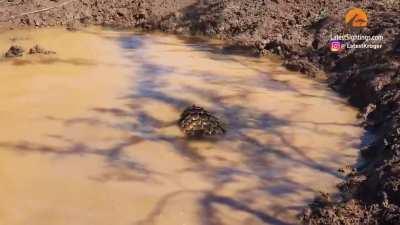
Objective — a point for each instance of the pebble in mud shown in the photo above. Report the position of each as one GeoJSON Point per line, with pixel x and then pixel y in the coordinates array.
{"type": "Point", "coordinates": [72, 26]}
{"type": "Point", "coordinates": [39, 50]}
{"type": "Point", "coordinates": [197, 122]}
{"type": "Point", "coordinates": [14, 51]}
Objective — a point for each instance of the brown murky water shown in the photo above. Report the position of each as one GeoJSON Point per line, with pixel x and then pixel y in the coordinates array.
{"type": "Point", "coordinates": [88, 135]}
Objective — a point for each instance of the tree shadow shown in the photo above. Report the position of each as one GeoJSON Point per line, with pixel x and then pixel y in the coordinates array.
{"type": "Point", "coordinates": [257, 158]}
{"type": "Point", "coordinates": [210, 217]}
{"type": "Point", "coordinates": [240, 119]}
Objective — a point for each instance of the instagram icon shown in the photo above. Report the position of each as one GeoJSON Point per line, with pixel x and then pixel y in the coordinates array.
{"type": "Point", "coordinates": [336, 46]}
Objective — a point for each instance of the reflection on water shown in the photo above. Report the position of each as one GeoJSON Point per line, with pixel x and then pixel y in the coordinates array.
{"type": "Point", "coordinates": [89, 134]}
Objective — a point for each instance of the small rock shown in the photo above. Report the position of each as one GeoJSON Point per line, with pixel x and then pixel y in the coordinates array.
{"type": "Point", "coordinates": [39, 50]}
{"type": "Point", "coordinates": [367, 111]}
{"type": "Point", "coordinates": [14, 51]}
{"type": "Point", "coordinates": [123, 12]}
{"type": "Point", "coordinates": [303, 66]}
{"type": "Point", "coordinates": [72, 26]}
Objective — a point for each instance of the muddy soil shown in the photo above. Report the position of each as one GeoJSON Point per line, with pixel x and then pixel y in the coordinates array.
{"type": "Point", "coordinates": [369, 78]}
{"type": "Point", "coordinates": [107, 148]}
{"type": "Point", "coordinates": [14, 51]}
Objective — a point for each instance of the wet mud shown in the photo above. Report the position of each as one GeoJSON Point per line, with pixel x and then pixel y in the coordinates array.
{"type": "Point", "coordinates": [94, 139]}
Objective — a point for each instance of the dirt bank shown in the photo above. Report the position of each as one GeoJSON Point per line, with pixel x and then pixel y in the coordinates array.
{"type": "Point", "coordinates": [299, 33]}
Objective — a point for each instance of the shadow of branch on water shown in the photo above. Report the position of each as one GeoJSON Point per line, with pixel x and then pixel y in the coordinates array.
{"type": "Point", "coordinates": [242, 154]}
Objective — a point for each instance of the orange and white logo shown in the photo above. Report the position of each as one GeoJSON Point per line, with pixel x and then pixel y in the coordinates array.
{"type": "Point", "coordinates": [356, 17]}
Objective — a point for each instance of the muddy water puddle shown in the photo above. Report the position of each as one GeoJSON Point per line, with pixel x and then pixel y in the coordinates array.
{"type": "Point", "coordinates": [89, 135]}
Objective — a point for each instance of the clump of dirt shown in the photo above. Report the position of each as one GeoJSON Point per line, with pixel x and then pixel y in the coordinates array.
{"type": "Point", "coordinates": [304, 66]}
{"type": "Point", "coordinates": [14, 51]}
{"type": "Point", "coordinates": [299, 32]}
{"type": "Point", "coordinates": [197, 122]}
{"type": "Point", "coordinates": [72, 27]}
{"type": "Point", "coordinates": [39, 50]}
{"type": "Point", "coordinates": [18, 51]}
